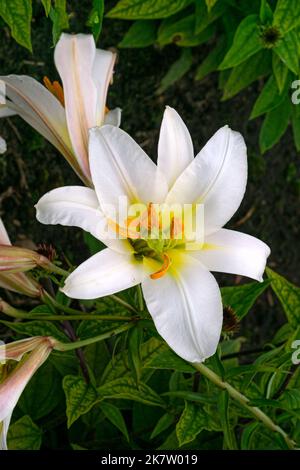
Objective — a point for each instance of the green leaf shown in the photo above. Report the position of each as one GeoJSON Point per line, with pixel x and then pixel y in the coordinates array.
{"type": "Point", "coordinates": [118, 367]}
{"type": "Point", "coordinates": [287, 50]}
{"type": "Point", "coordinates": [135, 337]}
{"type": "Point", "coordinates": [97, 356]}
{"type": "Point", "coordinates": [92, 243]}
{"type": "Point", "coordinates": [265, 12]}
{"type": "Point", "coordinates": [168, 360]}
{"type": "Point", "coordinates": [242, 298]}
{"type": "Point", "coordinates": [228, 431]}
{"type": "Point", "coordinates": [91, 328]}
{"type": "Point", "coordinates": [80, 397]}
{"type": "Point", "coordinates": [246, 43]}
{"type": "Point", "coordinates": [96, 18]}
{"type": "Point", "coordinates": [290, 399]}
{"type": "Point", "coordinates": [146, 9]}
{"type": "Point", "coordinates": [241, 76]}
{"type": "Point", "coordinates": [42, 394]}
{"type": "Point", "coordinates": [247, 435]}
{"type": "Point", "coordinates": [268, 99]}
{"type": "Point", "coordinates": [191, 423]}
{"type": "Point", "coordinates": [36, 328]}
{"type": "Point", "coordinates": [59, 18]}
{"type": "Point", "coordinates": [126, 388]}
{"type": "Point", "coordinates": [205, 16]}
{"type": "Point", "coordinates": [47, 6]}
{"type": "Point", "coordinates": [288, 295]}
{"type": "Point", "coordinates": [275, 125]}
{"type": "Point", "coordinates": [177, 70]}
{"type": "Point", "coordinates": [212, 60]}
{"type": "Point", "coordinates": [164, 422]}
{"type": "Point", "coordinates": [280, 72]}
{"type": "Point", "coordinates": [24, 434]}
{"type": "Point", "coordinates": [287, 15]}
{"type": "Point", "coordinates": [142, 33]}
{"type": "Point", "coordinates": [296, 126]}
{"type": "Point", "coordinates": [115, 416]}
{"type": "Point", "coordinates": [18, 14]}
{"type": "Point", "coordinates": [181, 32]}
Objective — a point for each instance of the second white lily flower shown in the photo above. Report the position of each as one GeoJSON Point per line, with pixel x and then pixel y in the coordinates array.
{"type": "Point", "coordinates": [181, 294]}
{"type": "Point", "coordinates": [64, 114]}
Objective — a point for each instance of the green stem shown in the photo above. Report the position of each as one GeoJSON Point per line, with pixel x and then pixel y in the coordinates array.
{"type": "Point", "coordinates": [56, 269]}
{"type": "Point", "coordinates": [86, 342]}
{"type": "Point", "coordinates": [244, 402]}
{"type": "Point", "coordinates": [140, 298]}
{"type": "Point", "coordinates": [124, 303]}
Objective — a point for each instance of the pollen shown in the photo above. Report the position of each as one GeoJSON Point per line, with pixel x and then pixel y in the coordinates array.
{"type": "Point", "coordinates": [163, 270]}
{"type": "Point", "coordinates": [56, 89]}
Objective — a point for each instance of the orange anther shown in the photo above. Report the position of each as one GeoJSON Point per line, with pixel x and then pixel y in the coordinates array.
{"type": "Point", "coordinates": [55, 88]}
{"type": "Point", "coordinates": [162, 271]}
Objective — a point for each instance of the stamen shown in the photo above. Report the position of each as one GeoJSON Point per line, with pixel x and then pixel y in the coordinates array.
{"type": "Point", "coordinates": [162, 271]}
{"type": "Point", "coordinates": [56, 89]}
{"type": "Point", "coordinates": [177, 228]}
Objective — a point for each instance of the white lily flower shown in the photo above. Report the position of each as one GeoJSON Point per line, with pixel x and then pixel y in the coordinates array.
{"type": "Point", "coordinates": [182, 295]}
{"type": "Point", "coordinates": [63, 115]}
{"type": "Point", "coordinates": [12, 387]}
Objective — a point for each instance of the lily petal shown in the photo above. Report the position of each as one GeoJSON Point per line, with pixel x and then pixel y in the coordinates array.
{"type": "Point", "coordinates": [3, 146]}
{"type": "Point", "coordinates": [217, 178]}
{"type": "Point", "coordinates": [5, 111]}
{"type": "Point", "coordinates": [4, 238]}
{"type": "Point", "coordinates": [3, 432]}
{"type": "Point", "coordinates": [175, 147]}
{"type": "Point", "coordinates": [76, 206]}
{"type": "Point", "coordinates": [102, 75]}
{"type": "Point", "coordinates": [103, 274]}
{"type": "Point", "coordinates": [74, 59]}
{"type": "Point", "coordinates": [186, 307]}
{"type": "Point", "coordinates": [125, 169]}
{"type": "Point", "coordinates": [233, 252]}
{"type": "Point", "coordinates": [72, 206]}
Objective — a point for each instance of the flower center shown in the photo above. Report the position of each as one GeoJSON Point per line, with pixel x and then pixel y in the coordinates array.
{"type": "Point", "coordinates": [149, 238]}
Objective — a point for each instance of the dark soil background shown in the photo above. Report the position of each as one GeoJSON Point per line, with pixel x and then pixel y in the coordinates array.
{"type": "Point", "coordinates": [31, 166]}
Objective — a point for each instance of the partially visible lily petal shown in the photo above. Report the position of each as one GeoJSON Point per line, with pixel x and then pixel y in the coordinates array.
{"type": "Point", "coordinates": [233, 252]}
{"type": "Point", "coordinates": [103, 274]}
{"type": "Point", "coordinates": [4, 238]}
{"type": "Point", "coordinates": [4, 110]}
{"type": "Point", "coordinates": [74, 59]}
{"type": "Point", "coordinates": [113, 117]}
{"type": "Point", "coordinates": [120, 167]}
{"type": "Point", "coordinates": [186, 307]}
{"type": "Point", "coordinates": [217, 178]}
{"type": "Point", "coordinates": [12, 387]}
{"type": "Point", "coordinates": [3, 146]}
{"type": "Point", "coordinates": [102, 75]}
{"type": "Point", "coordinates": [175, 147]}
{"type": "Point", "coordinates": [72, 206]}
{"type": "Point", "coordinates": [3, 432]}
{"type": "Point", "coordinates": [39, 108]}
{"type": "Point", "coordinates": [16, 350]}
{"type": "Point", "coordinates": [77, 206]}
